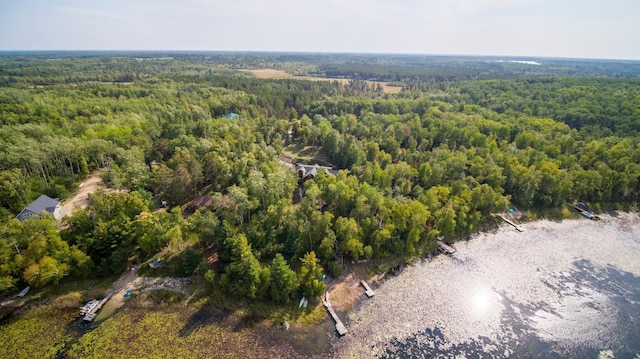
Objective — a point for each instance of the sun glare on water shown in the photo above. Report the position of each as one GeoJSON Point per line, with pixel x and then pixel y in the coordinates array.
{"type": "Point", "coordinates": [482, 300]}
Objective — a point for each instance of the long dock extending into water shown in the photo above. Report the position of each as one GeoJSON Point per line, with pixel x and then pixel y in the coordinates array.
{"type": "Point", "coordinates": [519, 229]}
{"type": "Point", "coordinates": [340, 328]}
{"type": "Point", "coordinates": [91, 313]}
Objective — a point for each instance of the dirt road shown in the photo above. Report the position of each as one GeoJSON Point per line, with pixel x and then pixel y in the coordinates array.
{"type": "Point", "coordinates": [80, 199]}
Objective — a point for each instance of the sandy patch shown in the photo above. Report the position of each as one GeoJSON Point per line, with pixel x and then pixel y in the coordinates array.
{"type": "Point", "coordinates": [269, 74]}
{"type": "Point", "coordinates": [346, 290]}
{"type": "Point", "coordinates": [80, 199]}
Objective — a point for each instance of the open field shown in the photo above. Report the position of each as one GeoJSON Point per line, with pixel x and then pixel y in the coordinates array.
{"type": "Point", "coordinates": [279, 74]}
{"type": "Point", "coordinates": [306, 154]}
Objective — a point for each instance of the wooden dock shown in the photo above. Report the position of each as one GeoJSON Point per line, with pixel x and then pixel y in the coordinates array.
{"type": "Point", "coordinates": [367, 290]}
{"type": "Point", "coordinates": [340, 328]}
{"type": "Point", "coordinates": [91, 314]}
{"type": "Point", "coordinates": [519, 229]}
{"type": "Point", "coordinates": [446, 248]}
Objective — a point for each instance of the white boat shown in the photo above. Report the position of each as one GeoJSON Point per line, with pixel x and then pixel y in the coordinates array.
{"type": "Point", "coordinates": [88, 307]}
{"type": "Point", "coordinates": [24, 292]}
{"type": "Point", "coordinates": [303, 302]}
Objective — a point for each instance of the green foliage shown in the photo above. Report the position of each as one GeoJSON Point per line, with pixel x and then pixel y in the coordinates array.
{"type": "Point", "coordinates": [191, 261]}
{"type": "Point", "coordinates": [592, 105]}
{"type": "Point", "coordinates": [348, 235]}
{"type": "Point", "coordinates": [106, 230]}
{"type": "Point", "coordinates": [243, 270]}
{"type": "Point", "coordinates": [283, 281]}
{"type": "Point", "coordinates": [205, 224]}
{"type": "Point", "coordinates": [460, 142]}
{"type": "Point", "coordinates": [310, 276]}
{"type": "Point", "coordinates": [334, 269]}
{"type": "Point", "coordinates": [33, 251]}
{"type": "Point", "coordinates": [209, 278]}
{"type": "Point", "coordinates": [46, 271]}
{"type": "Point", "coordinates": [165, 296]}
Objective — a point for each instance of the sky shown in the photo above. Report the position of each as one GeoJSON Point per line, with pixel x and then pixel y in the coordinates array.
{"type": "Point", "coordinates": [608, 29]}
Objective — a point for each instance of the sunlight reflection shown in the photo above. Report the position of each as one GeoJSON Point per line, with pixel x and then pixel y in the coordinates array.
{"type": "Point", "coordinates": [482, 300]}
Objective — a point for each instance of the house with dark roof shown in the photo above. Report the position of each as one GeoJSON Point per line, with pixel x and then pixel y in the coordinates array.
{"type": "Point", "coordinates": [306, 172]}
{"type": "Point", "coordinates": [43, 203]}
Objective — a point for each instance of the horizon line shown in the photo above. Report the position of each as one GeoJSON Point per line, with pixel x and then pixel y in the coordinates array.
{"type": "Point", "coordinates": [303, 52]}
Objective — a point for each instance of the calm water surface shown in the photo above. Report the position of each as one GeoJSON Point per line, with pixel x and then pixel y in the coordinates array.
{"type": "Point", "coordinates": [566, 289]}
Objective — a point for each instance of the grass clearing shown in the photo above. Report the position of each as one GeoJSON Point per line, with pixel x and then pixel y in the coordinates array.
{"type": "Point", "coordinates": [307, 154]}
{"type": "Point", "coordinates": [269, 73]}
{"type": "Point", "coordinates": [280, 74]}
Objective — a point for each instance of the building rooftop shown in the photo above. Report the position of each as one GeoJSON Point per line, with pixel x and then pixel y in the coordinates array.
{"type": "Point", "coordinates": [43, 203]}
{"type": "Point", "coordinates": [312, 170]}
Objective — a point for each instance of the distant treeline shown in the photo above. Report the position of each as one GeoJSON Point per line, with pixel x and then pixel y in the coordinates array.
{"type": "Point", "coordinates": [125, 66]}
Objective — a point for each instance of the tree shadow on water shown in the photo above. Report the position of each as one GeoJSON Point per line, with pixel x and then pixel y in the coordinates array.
{"type": "Point", "coordinates": [203, 317]}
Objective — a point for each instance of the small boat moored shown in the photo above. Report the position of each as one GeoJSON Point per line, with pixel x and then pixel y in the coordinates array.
{"type": "Point", "coordinates": [580, 207]}
{"type": "Point", "coordinates": [88, 307]}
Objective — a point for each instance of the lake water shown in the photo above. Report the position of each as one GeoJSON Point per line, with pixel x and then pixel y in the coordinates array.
{"type": "Point", "coordinates": [567, 289]}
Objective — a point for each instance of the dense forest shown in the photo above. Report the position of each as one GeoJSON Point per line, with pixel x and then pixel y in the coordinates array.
{"type": "Point", "coordinates": [456, 145]}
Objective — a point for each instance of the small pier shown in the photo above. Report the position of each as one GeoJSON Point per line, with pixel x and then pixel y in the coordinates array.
{"type": "Point", "coordinates": [518, 228]}
{"type": "Point", "coordinates": [340, 328]}
{"type": "Point", "coordinates": [445, 248]}
{"type": "Point", "coordinates": [89, 311]}
{"type": "Point", "coordinates": [367, 290]}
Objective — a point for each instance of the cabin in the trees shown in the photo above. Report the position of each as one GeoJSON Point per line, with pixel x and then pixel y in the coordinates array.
{"type": "Point", "coordinates": [307, 172]}
{"type": "Point", "coordinates": [43, 203]}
